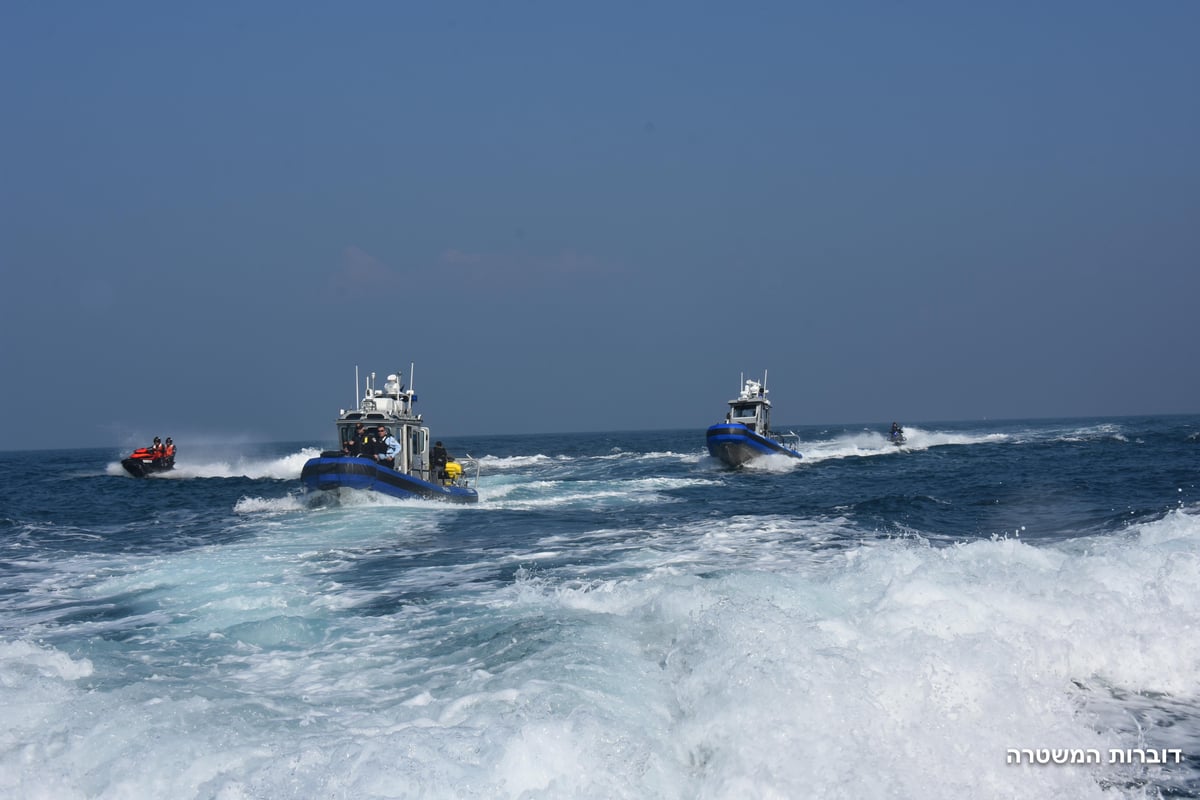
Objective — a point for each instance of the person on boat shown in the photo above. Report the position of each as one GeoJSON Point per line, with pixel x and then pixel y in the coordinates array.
{"type": "Point", "coordinates": [389, 446]}
{"type": "Point", "coordinates": [363, 444]}
{"type": "Point", "coordinates": [157, 450]}
{"type": "Point", "coordinates": [897, 431]}
{"type": "Point", "coordinates": [438, 456]}
{"type": "Point", "coordinates": [169, 451]}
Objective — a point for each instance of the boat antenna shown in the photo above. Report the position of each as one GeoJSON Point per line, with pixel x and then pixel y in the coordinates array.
{"type": "Point", "coordinates": [764, 381]}
{"type": "Point", "coordinates": [355, 404]}
{"type": "Point", "coordinates": [412, 370]}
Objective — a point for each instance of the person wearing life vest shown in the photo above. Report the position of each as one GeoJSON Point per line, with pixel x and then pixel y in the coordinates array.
{"type": "Point", "coordinates": [169, 451]}
{"type": "Point", "coordinates": [389, 446]}
{"type": "Point", "coordinates": [364, 443]}
{"type": "Point", "coordinates": [157, 450]}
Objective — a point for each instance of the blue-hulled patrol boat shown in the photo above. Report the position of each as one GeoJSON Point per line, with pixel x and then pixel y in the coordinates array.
{"type": "Point", "coordinates": [418, 469]}
{"type": "Point", "coordinates": [746, 432]}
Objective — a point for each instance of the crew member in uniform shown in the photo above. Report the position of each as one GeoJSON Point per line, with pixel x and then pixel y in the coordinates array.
{"type": "Point", "coordinates": [389, 448]}
{"type": "Point", "coordinates": [439, 457]}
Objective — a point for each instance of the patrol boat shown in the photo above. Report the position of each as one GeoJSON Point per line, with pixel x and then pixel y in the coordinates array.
{"type": "Point", "coordinates": [746, 432]}
{"type": "Point", "coordinates": [413, 474]}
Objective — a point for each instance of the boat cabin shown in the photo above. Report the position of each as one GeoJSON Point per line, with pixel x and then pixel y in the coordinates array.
{"type": "Point", "coordinates": [751, 408]}
{"type": "Point", "coordinates": [392, 409]}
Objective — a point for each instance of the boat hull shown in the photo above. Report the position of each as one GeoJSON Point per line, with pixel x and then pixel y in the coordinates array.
{"type": "Point", "coordinates": [735, 444]}
{"type": "Point", "coordinates": [350, 472]}
{"type": "Point", "coordinates": [140, 467]}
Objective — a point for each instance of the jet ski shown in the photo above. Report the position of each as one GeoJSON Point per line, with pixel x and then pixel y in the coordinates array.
{"type": "Point", "coordinates": [147, 461]}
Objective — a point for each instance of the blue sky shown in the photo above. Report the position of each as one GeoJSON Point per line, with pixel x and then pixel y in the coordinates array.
{"type": "Point", "coordinates": [593, 217]}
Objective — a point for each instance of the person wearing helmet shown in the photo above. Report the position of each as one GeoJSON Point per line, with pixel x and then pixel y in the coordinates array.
{"type": "Point", "coordinates": [169, 452]}
{"type": "Point", "coordinates": [362, 444]}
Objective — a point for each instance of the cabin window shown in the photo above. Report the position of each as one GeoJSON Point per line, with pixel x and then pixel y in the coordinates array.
{"type": "Point", "coordinates": [742, 412]}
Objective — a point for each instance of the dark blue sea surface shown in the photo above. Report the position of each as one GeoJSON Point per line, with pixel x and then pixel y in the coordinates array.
{"type": "Point", "coordinates": [973, 614]}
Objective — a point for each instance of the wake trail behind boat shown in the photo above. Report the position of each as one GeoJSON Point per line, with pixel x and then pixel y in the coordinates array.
{"type": "Point", "coordinates": [255, 467]}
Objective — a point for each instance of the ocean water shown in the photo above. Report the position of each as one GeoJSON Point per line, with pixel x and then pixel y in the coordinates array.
{"type": "Point", "coordinates": [996, 610]}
